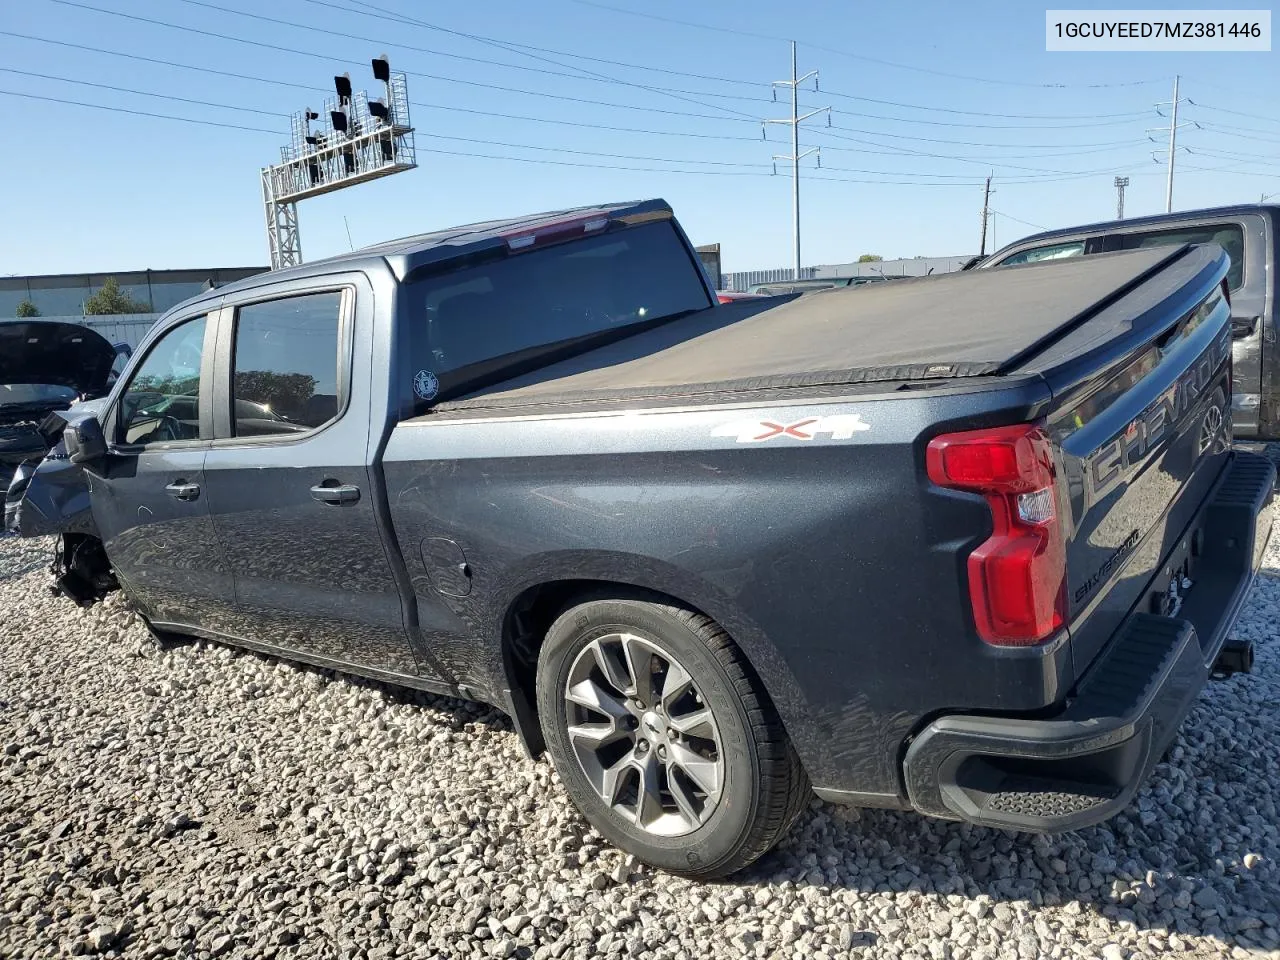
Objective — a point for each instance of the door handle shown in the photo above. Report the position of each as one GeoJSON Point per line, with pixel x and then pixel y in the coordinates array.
{"type": "Point", "coordinates": [181, 490]}
{"type": "Point", "coordinates": [345, 493]}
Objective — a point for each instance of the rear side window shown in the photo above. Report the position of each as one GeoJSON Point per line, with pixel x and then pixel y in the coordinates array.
{"type": "Point", "coordinates": [1229, 236]}
{"type": "Point", "coordinates": [285, 366]}
{"type": "Point", "coordinates": [476, 323]}
{"type": "Point", "coordinates": [1056, 251]}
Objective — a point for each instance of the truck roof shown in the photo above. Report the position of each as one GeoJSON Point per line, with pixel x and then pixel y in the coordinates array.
{"type": "Point", "coordinates": [1129, 223]}
{"type": "Point", "coordinates": [407, 254]}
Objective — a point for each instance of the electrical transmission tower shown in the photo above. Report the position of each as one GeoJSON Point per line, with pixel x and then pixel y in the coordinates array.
{"type": "Point", "coordinates": [1121, 183]}
{"type": "Point", "coordinates": [1173, 137]}
{"type": "Point", "coordinates": [796, 156]}
{"type": "Point", "coordinates": [362, 140]}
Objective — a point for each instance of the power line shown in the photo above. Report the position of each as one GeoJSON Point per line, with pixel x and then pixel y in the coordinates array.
{"type": "Point", "coordinates": [1025, 223]}
{"type": "Point", "coordinates": [582, 75]}
{"type": "Point", "coordinates": [1243, 133]}
{"type": "Point", "coordinates": [140, 113]}
{"type": "Point", "coordinates": [854, 56]}
{"type": "Point", "coordinates": [733, 114]}
{"type": "Point", "coordinates": [897, 151]}
{"type": "Point", "coordinates": [580, 56]}
{"type": "Point", "coordinates": [144, 93]}
{"type": "Point", "coordinates": [876, 133]}
{"type": "Point", "coordinates": [743, 118]}
{"type": "Point", "coordinates": [423, 105]}
{"type": "Point", "coordinates": [1233, 155]}
{"type": "Point", "coordinates": [613, 156]}
{"type": "Point", "coordinates": [969, 143]}
{"type": "Point", "coordinates": [384, 14]}
{"type": "Point", "coordinates": [166, 63]}
{"type": "Point", "coordinates": [683, 23]}
{"type": "Point", "coordinates": [924, 153]}
{"type": "Point", "coordinates": [485, 156]}
{"type": "Point", "coordinates": [1002, 126]}
{"type": "Point", "coordinates": [983, 113]}
{"type": "Point", "coordinates": [500, 143]}
{"type": "Point", "coordinates": [1238, 113]}
{"type": "Point", "coordinates": [594, 166]}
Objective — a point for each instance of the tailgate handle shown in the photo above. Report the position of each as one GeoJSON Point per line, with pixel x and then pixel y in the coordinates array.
{"type": "Point", "coordinates": [336, 494]}
{"type": "Point", "coordinates": [1242, 327]}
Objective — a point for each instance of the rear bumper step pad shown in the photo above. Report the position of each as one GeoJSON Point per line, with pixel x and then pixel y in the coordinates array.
{"type": "Point", "coordinates": [1084, 765]}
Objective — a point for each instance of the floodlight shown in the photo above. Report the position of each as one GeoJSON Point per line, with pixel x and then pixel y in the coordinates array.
{"type": "Point", "coordinates": [382, 68]}
{"type": "Point", "coordinates": [343, 85]}
{"type": "Point", "coordinates": [378, 110]}
{"type": "Point", "coordinates": [339, 120]}
{"type": "Point", "coordinates": [312, 115]}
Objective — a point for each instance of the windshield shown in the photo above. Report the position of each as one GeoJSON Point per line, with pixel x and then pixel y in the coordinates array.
{"type": "Point", "coordinates": [476, 323]}
{"type": "Point", "coordinates": [35, 393]}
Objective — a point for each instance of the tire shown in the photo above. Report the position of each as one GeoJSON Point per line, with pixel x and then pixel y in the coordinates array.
{"type": "Point", "coordinates": [724, 788]}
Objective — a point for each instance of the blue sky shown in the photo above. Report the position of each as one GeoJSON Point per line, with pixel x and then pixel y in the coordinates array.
{"type": "Point", "coordinates": [949, 92]}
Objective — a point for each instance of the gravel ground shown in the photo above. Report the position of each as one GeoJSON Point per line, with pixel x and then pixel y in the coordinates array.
{"type": "Point", "coordinates": [201, 802]}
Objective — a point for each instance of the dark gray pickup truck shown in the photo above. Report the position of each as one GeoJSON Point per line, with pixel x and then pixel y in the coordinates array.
{"type": "Point", "coordinates": [969, 545]}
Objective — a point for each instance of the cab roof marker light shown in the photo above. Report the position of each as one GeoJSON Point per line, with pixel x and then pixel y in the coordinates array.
{"type": "Point", "coordinates": [554, 231]}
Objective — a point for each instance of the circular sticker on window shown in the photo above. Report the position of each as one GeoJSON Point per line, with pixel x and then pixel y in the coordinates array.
{"type": "Point", "coordinates": [425, 384]}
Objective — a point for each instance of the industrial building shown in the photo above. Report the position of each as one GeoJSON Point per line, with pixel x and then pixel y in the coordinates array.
{"type": "Point", "coordinates": [62, 296]}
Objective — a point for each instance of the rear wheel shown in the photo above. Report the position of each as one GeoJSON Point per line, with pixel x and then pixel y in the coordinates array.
{"type": "Point", "coordinates": [664, 737]}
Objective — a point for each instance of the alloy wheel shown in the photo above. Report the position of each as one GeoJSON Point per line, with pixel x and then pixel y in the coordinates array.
{"type": "Point", "coordinates": [643, 734]}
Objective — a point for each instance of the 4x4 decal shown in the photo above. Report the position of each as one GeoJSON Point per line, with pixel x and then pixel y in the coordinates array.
{"type": "Point", "coordinates": [840, 426]}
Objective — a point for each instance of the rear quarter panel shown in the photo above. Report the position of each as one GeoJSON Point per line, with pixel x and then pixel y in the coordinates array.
{"type": "Point", "coordinates": [830, 560]}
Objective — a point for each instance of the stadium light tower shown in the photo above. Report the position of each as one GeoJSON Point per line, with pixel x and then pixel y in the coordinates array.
{"type": "Point", "coordinates": [361, 140]}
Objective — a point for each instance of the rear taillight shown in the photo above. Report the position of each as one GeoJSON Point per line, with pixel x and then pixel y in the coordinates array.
{"type": "Point", "coordinates": [1017, 578]}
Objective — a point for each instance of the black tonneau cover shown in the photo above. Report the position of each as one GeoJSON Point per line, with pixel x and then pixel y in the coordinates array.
{"type": "Point", "coordinates": [972, 324]}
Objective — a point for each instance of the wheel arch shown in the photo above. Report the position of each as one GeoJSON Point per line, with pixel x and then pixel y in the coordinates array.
{"type": "Point", "coordinates": [535, 604]}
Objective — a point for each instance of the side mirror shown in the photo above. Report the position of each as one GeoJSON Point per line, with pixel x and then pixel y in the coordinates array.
{"type": "Point", "coordinates": [85, 441]}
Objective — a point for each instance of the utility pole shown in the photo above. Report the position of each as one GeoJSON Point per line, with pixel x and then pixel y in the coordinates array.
{"type": "Point", "coordinates": [1173, 146]}
{"type": "Point", "coordinates": [796, 156]}
{"type": "Point", "coordinates": [1121, 183]}
{"type": "Point", "coordinates": [1173, 138]}
{"type": "Point", "coordinates": [986, 215]}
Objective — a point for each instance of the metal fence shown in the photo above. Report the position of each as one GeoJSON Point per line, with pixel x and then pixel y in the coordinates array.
{"type": "Point", "coordinates": [743, 279]}
{"type": "Point", "coordinates": [910, 267]}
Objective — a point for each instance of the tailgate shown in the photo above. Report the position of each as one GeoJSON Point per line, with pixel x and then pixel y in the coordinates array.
{"type": "Point", "coordinates": [1143, 430]}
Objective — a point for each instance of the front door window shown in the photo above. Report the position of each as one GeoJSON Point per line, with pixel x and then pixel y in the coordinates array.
{"type": "Point", "coordinates": [162, 402]}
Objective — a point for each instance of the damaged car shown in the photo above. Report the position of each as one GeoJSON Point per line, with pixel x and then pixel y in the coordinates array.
{"type": "Point", "coordinates": [45, 367]}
